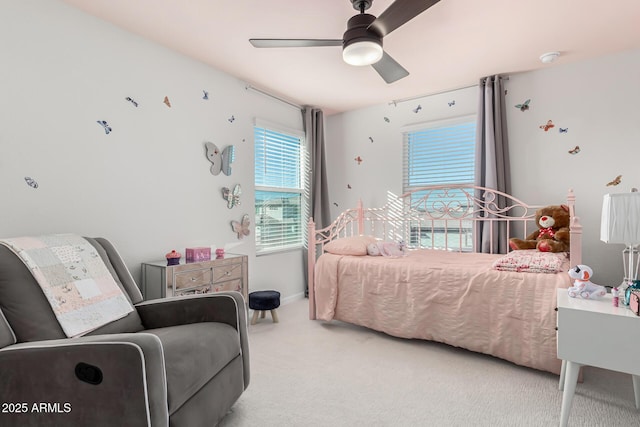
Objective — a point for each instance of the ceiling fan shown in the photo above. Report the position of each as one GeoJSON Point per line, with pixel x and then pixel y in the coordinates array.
{"type": "Point", "coordinates": [362, 42]}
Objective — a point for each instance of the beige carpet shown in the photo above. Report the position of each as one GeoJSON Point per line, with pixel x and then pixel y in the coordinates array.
{"type": "Point", "coordinates": [312, 373]}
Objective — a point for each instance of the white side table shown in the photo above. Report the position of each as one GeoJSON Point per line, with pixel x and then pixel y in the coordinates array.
{"type": "Point", "coordinates": [594, 333]}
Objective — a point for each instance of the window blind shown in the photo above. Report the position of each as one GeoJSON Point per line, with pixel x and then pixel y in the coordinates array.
{"type": "Point", "coordinates": [279, 190]}
{"type": "Point", "coordinates": [439, 155]}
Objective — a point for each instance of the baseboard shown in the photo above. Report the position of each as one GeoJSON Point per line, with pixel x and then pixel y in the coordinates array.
{"type": "Point", "coordinates": [292, 298]}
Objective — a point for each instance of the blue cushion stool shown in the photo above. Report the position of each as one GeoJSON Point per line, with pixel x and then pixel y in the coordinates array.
{"type": "Point", "coordinates": [261, 301]}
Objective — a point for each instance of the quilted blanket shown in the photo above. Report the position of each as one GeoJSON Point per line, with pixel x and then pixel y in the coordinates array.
{"type": "Point", "coordinates": [80, 289]}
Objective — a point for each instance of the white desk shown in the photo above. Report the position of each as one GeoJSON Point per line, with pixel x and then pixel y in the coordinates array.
{"type": "Point", "coordinates": [594, 333]}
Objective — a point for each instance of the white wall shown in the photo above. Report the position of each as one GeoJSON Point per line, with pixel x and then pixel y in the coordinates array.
{"type": "Point", "coordinates": [596, 100]}
{"type": "Point", "coordinates": [146, 186]}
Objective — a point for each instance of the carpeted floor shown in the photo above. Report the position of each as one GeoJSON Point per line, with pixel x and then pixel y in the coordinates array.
{"type": "Point", "coordinates": [312, 373]}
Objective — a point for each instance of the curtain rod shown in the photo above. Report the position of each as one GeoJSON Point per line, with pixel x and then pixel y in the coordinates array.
{"type": "Point", "coordinates": [262, 92]}
{"type": "Point", "coordinates": [397, 101]}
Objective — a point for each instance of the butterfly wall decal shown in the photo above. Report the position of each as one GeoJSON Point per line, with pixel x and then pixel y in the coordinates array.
{"type": "Point", "coordinates": [31, 182]}
{"type": "Point", "coordinates": [205, 95]}
{"type": "Point", "coordinates": [167, 102]}
{"type": "Point", "coordinates": [358, 159]}
{"type": "Point", "coordinates": [371, 139]}
{"type": "Point", "coordinates": [548, 126]}
{"type": "Point", "coordinates": [417, 109]}
{"type": "Point", "coordinates": [524, 106]}
{"type": "Point", "coordinates": [105, 125]}
{"type": "Point", "coordinates": [563, 130]}
{"type": "Point", "coordinates": [241, 227]}
{"type": "Point", "coordinates": [231, 119]}
{"type": "Point", "coordinates": [386, 119]}
{"type": "Point", "coordinates": [617, 180]}
{"type": "Point", "coordinates": [575, 150]}
{"type": "Point", "coordinates": [220, 159]}
{"type": "Point", "coordinates": [232, 196]}
{"type": "Point", "coordinates": [452, 103]}
{"type": "Point", "coordinates": [131, 100]}
{"type": "Point", "coordinates": [349, 186]}
{"type": "Point", "coordinates": [335, 204]}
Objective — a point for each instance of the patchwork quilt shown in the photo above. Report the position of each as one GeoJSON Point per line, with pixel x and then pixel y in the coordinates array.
{"type": "Point", "coordinates": [80, 289]}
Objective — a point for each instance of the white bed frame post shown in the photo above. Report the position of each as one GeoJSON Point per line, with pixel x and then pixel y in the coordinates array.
{"type": "Point", "coordinates": [575, 229]}
{"type": "Point", "coordinates": [311, 267]}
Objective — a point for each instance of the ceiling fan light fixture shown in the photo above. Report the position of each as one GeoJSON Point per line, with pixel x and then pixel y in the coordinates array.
{"type": "Point", "coordinates": [362, 53]}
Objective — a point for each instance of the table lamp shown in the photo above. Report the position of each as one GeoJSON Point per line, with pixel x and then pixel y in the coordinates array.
{"type": "Point", "coordinates": [621, 224]}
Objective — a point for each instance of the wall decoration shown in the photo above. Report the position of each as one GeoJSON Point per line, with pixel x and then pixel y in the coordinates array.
{"type": "Point", "coordinates": [548, 126]}
{"type": "Point", "coordinates": [524, 106]}
{"type": "Point", "coordinates": [386, 119]}
{"type": "Point", "coordinates": [371, 139]}
{"type": "Point", "coordinates": [31, 182]}
{"type": "Point", "coordinates": [358, 159]}
{"type": "Point", "coordinates": [563, 130]}
{"type": "Point", "coordinates": [131, 100]}
{"type": "Point", "coordinates": [220, 160]}
{"type": "Point", "coordinates": [335, 204]}
{"type": "Point", "coordinates": [166, 101]}
{"type": "Point", "coordinates": [417, 109]}
{"type": "Point", "coordinates": [349, 186]}
{"type": "Point", "coordinates": [232, 197]}
{"type": "Point", "coordinates": [105, 125]}
{"type": "Point", "coordinates": [205, 95]}
{"type": "Point", "coordinates": [452, 103]}
{"type": "Point", "coordinates": [575, 150]}
{"type": "Point", "coordinates": [242, 227]}
{"type": "Point", "coordinates": [231, 119]}
{"type": "Point", "coordinates": [617, 180]}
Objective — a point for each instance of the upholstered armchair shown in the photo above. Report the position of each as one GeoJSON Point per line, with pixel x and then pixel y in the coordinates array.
{"type": "Point", "coordinates": [179, 361]}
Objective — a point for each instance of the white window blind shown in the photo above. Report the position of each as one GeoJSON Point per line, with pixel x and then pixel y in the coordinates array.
{"type": "Point", "coordinates": [439, 154]}
{"type": "Point", "coordinates": [279, 195]}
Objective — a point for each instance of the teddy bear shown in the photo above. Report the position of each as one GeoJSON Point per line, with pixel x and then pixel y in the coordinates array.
{"type": "Point", "coordinates": [552, 234]}
{"type": "Point", "coordinates": [582, 285]}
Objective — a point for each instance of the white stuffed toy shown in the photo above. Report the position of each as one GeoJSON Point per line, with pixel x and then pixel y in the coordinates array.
{"type": "Point", "coordinates": [582, 285]}
{"type": "Point", "coordinates": [390, 249]}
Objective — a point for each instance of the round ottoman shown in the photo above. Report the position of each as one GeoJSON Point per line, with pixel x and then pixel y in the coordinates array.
{"type": "Point", "coordinates": [261, 301]}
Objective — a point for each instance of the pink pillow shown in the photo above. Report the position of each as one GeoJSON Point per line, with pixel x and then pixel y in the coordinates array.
{"type": "Point", "coordinates": [354, 245]}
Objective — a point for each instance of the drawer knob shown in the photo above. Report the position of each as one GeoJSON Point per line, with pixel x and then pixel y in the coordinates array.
{"type": "Point", "coordinates": [193, 279]}
{"type": "Point", "coordinates": [227, 273]}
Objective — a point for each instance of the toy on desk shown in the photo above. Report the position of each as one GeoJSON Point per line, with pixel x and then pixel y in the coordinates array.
{"type": "Point", "coordinates": [582, 285]}
{"type": "Point", "coordinates": [173, 258]}
{"type": "Point", "coordinates": [615, 297]}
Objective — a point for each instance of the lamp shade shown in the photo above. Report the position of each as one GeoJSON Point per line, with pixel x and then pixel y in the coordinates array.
{"type": "Point", "coordinates": [621, 218]}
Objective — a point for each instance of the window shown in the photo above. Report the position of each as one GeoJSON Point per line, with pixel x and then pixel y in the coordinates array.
{"type": "Point", "coordinates": [279, 195]}
{"type": "Point", "coordinates": [440, 153]}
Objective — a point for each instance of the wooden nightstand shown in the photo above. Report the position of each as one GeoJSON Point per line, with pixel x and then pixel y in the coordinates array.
{"type": "Point", "coordinates": [594, 333]}
{"type": "Point", "coordinates": [160, 280]}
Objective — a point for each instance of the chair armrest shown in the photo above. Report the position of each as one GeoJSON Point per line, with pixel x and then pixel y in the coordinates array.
{"type": "Point", "coordinates": [225, 307]}
{"type": "Point", "coordinates": [123, 378]}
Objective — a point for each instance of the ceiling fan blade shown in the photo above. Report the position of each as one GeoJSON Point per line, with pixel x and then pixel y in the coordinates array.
{"type": "Point", "coordinates": [295, 42]}
{"type": "Point", "coordinates": [389, 69]}
{"type": "Point", "coordinates": [399, 13]}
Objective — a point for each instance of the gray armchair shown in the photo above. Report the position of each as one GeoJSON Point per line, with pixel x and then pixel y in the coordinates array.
{"type": "Point", "coordinates": [179, 361]}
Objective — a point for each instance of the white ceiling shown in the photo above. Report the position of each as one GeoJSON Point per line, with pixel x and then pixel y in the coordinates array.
{"type": "Point", "coordinates": [449, 46]}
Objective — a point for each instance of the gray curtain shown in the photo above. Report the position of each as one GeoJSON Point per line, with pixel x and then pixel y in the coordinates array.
{"type": "Point", "coordinates": [313, 119]}
{"type": "Point", "coordinates": [492, 159]}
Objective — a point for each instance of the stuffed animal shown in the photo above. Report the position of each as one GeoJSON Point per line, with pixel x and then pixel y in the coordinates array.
{"type": "Point", "coordinates": [552, 234]}
{"type": "Point", "coordinates": [582, 285]}
{"type": "Point", "coordinates": [391, 249]}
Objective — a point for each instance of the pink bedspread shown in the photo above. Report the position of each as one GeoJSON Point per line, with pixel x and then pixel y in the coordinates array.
{"type": "Point", "coordinates": [452, 298]}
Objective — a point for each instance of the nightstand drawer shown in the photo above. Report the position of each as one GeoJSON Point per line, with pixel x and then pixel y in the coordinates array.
{"type": "Point", "coordinates": [231, 285]}
{"type": "Point", "coordinates": [201, 290]}
{"type": "Point", "coordinates": [227, 272]}
{"type": "Point", "coordinates": [191, 278]}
